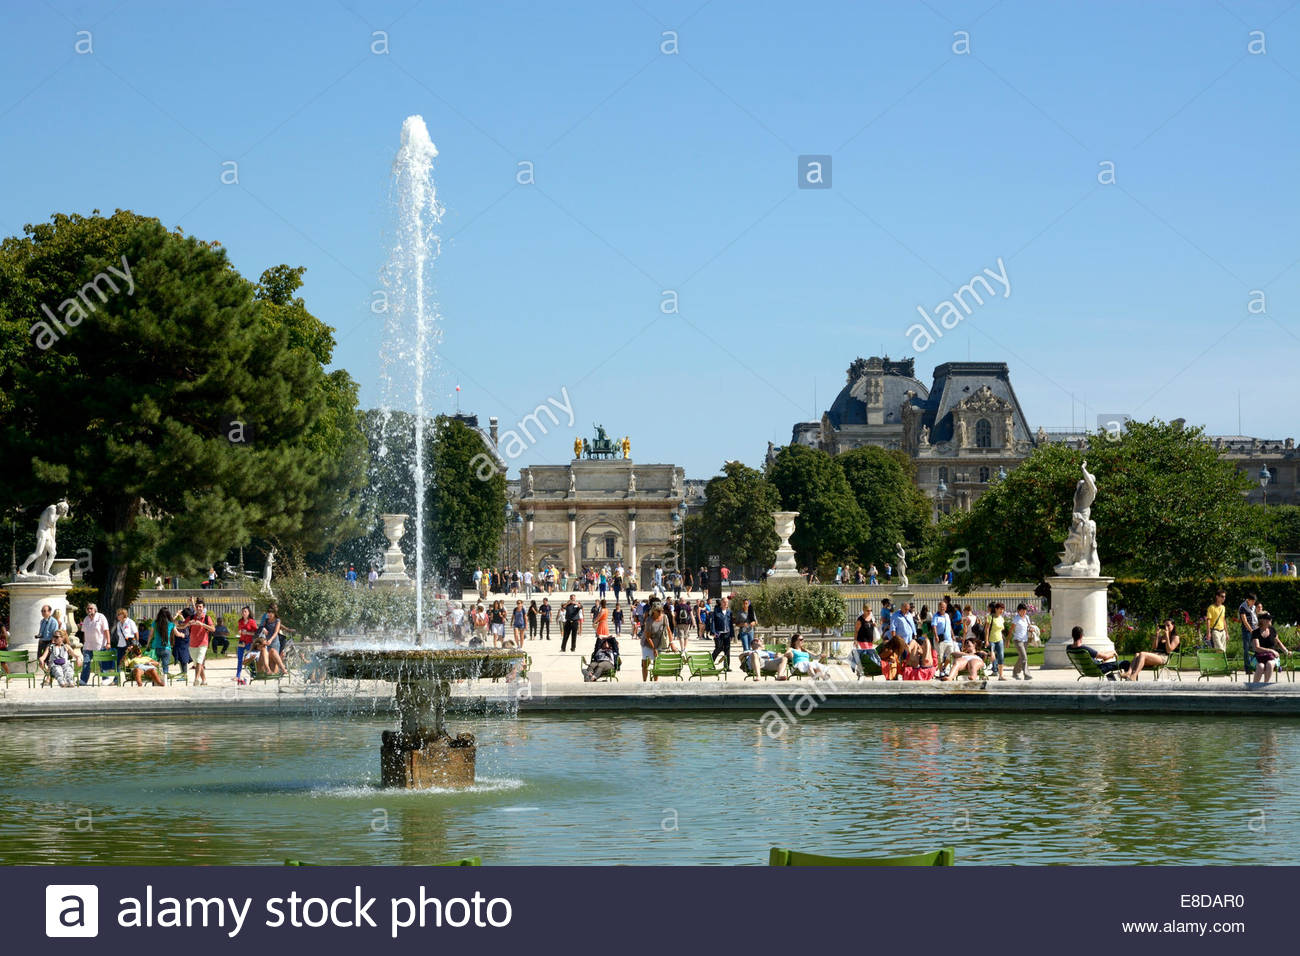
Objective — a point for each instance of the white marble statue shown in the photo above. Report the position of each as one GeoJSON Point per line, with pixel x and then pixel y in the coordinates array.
{"type": "Point", "coordinates": [925, 436]}
{"type": "Point", "coordinates": [38, 563]}
{"type": "Point", "coordinates": [573, 483]}
{"type": "Point", "coordinates": [1079, 559]}
{"type": "Point", "coordinates": [901, 567]}
{"type": "Point", "coordinates": [266, 573]}
{"type": "Point", "coordinates": [631, 482]}
{"type": "Point", "coordinates": [528, 483]}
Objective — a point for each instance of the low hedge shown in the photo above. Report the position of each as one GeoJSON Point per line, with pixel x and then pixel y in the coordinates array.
{"type": "Point", "coordinates": [1150, 601]}
{"type": "Point", "coordinates": [796, 604]}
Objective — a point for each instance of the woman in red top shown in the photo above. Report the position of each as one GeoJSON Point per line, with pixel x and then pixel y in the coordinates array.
{"type": "Point", "coordinates": [247, 631]}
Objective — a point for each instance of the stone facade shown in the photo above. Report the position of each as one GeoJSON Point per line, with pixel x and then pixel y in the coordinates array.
{"type": "Point", "coordinates": [967, 427]}
{"type": "Point", "coordinates": [596, 512]}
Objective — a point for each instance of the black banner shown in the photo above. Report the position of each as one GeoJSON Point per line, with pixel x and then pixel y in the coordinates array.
{"type": "Point", "coordinates": [646, 910]}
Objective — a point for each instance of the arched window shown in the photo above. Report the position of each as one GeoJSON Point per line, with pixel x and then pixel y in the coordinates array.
{"type": "Point", "coordinates": [984, 475]}
{"type": "Point", "coordinates": [943, 475]}
{"type": "Point", "coordinates": [983, 434]}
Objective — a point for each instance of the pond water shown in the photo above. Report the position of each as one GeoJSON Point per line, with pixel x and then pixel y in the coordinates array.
{"type": "Point", "coordinates": [658, 789]}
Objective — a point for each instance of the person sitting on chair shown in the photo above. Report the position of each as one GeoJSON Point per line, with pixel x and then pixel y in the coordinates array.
{"type": "Point", "coordinates": [1267, 646]}
{"type": "Point", "coordinates": [266, 659]}
{"type": "Point", "coordinates": [137, 667]}
{"type": "Point", "coordinates": [604, 658]}
{"type": "Point", "coordinates": [1107, 661]}
{"type": "Point", "coordinates": [57, 660]}
{"type": "Point", "coordinates": [1165, 643]}
{"type": "Point", "coordinates": [967, 663]}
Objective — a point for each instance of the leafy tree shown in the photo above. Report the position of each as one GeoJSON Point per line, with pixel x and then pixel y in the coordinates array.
{"type": "Point", "coordinates": [884, 484]}
{"type": "Point", "coordinates": [128, 411]}
{"type": "Point", "coordinates": [830, 522]}
{"type": "Point", "coordinates": [466, 502]}
{"type": "Point", "coordinates": [736, 521]}
{"type": "Point", "coordinates": [1282, 528]}
{"type": "Point", "coordinates": [1168, 508]}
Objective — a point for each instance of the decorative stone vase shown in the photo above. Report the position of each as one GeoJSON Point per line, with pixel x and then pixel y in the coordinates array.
{"type": "Point", "coordinates": [785, 566]}
{"type": "Point", "coordinates": [394, 575]}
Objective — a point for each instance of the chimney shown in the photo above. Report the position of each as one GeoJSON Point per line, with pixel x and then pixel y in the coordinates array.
{"type": "Point", "coordinates": [492, 430]}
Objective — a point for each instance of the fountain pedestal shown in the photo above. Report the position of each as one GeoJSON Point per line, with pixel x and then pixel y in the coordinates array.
{"type": "Point", "coordinates": [422, 753]}
{"type": "Point", "coordinates": [394, 570]}
{"type": "Point", "coordinates": [785, 565]}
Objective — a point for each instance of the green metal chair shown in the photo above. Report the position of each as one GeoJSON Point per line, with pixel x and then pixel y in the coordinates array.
{"type": "Point", "coordinates": [608, 675]}
{"type": "Point", "coordinates": [463, 861]}
{"type": "Point", "coordinates": [702, 664]}
{"type": "Point", "coordinates": [102, 662]}
{"type": "Point", "coordinates": [780, 857]}
{"type": "Point", "coordinates": [1212, 663]}
{"type": "Point", "coordinates": [12, 659]}
{"type": "Point", "coordinates": [668, 664]}
{"type": "Point", "coordinates": [867, 666]}
{"type": "Point", "coordinates": [1086, 666]}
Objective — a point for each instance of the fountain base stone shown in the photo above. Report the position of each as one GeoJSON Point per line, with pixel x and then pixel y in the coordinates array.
{"type": "Point", "coordinates": [419, 761]}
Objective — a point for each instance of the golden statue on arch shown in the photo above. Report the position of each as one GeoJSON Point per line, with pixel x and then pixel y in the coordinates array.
{"type": "Point", "coordinates": [627, 447]}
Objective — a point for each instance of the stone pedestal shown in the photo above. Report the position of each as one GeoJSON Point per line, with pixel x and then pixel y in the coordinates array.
{"type": "Point", "coordinates": [28, 595]}
{"type": "Point", "coordinates": [394, 570]}
{"type": "Point", "coordinates": [1081, 602]}
{"type": "Point", "coordinates": [419, 761]}
{"type": "Point", "coordinates": [785, 565]}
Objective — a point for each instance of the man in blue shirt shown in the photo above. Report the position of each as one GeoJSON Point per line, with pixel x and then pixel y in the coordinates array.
{"type": "Point", "coordinates": [904, 626]}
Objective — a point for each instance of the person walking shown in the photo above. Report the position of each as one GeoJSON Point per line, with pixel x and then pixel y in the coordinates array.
{"type": "Point", "coordinates": [124, 631]}
{"type": "Point", "coordinates": [1216, 622]}
{"type": "Point", "coordinates": [161, 643]}
{"type": "Point", "coordinates": [532, 620]}
{"type": "Point", "coordinates": [245, 631]}
{"type": "Point", "coordinates": [722, 628]}
{"type": "Point", "coordinates": [618, 620]}
{"type": "Point", "coordinates": [544, 620]}
{"type": "Point", "coordinates": [46, 630]}
{"type": "Point", "coordinates": [200, 627]}
{"type": "Point", "coordinates": [996, 629]}
{"type": "Point", "coordinates": [519, 621]}
{"type": "Point", "coordinates": [94, 627]}
{"type": "Point", "coordinates": [1020, 637]}
{"type": "Point", "coordinates": [571, 625]}
{"type": "Point", "coordinates": [746, 621]}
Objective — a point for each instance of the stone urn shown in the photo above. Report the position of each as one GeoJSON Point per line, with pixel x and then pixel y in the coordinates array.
{"type": "Point", "coordinates": [785, 566]}
{"type": "Point", "coordinates": [394, 571]}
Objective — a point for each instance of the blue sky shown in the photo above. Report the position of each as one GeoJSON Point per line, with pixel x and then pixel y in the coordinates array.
{"type": "Point", "coordinates": [677, 171]}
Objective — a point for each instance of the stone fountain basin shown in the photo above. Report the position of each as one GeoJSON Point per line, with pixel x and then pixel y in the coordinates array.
{"type": "Point", "coordinates": [419, 664]}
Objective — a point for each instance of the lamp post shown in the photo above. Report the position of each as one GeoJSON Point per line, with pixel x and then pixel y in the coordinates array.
{"type": "Point", "coordinates": [940, 494]}
{"type": "Point", "coordinates": [519, 543]}
{"type": "Point", "coordinates": [505, 532]}
{"type": "Point", "coordinates": [1265, 476]}
{"type": "Point", "coordinates": [1002, 473]}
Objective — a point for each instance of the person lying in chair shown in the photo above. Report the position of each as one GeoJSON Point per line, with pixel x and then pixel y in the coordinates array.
{"type": "Point", "coordinates": [1108, 661]}
{"type": "Point", "coordinates": [759, 660]}
{"type": "Point", "coordinates": [604, 659]}
{"type": "Point", "coordinates": [803, 662]}
{"type": "Point", "coordinates": [138, 667]}
{"type": "Point", "coordinates": [967, 662]}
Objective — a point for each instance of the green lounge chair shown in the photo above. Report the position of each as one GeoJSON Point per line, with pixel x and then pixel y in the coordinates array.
{"type": "Point", "coordinates": [668, 664]}
{"type": "Point", "coordinates": [780, 857]}
{"type": "Point", "coordinates": [463, 861]}
{"type": "Point", "coordinates": [1086, 666]}
{"type": "Point", "coordinates": [101, 663]}
{"type": "Point", "coordinates": [702, 665]}
{"type": "Point", "coordinates": [14, 659]}
{"type": "Point", "coordinates": [867, 666]}
{"type": "Point", "coordinates": [1212, 663]}
{"type": "Point", "coordinates": [608, 675]}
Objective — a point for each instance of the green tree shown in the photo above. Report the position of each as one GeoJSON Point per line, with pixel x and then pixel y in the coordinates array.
{"type": "Point", "coordinates": [1168, 508]}
{"type": "Point", "coordinates": [884, 484]}
{"type": "Point", "coordinates": [736, 520]}
{"type": "Point", "coordinates": [466, 501]}
{"type": "Point", "coordinates": [128, 410]}
{"type": "Point", "coordinates": [1282, 528]}
{"type": "Point", "coordinates": [830, 525]}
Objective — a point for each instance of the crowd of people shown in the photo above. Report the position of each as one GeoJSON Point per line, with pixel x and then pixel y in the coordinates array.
{"type": "Point", "coordinates": [604, 580]}
{"type": "Point", "coordinates": [144, 652]}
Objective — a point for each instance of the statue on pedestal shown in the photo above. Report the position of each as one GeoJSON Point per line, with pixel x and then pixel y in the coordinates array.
{"type": "Point", "coordinates": [1079, 559]}
{"type": "Point", "coordinates": [528, 483]}
{"type": "Point", "coordinates": [577, 448]}
{"type": "Point", "coordinates": [266, 573]}
{"type": "Point", "coordinates": [627, 447]}
{"type": "Point", "coordinates": [39, 562]}
{"type": "Point", "coordinates": [631, 482]}
{"type": "Point", "coordinates": [573, 484]}
{"type": "Point", "coordinates": [901, 567]}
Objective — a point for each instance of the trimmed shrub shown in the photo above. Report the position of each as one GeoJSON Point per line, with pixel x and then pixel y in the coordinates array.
{"type": "Point", "coordinates": [794, 605]}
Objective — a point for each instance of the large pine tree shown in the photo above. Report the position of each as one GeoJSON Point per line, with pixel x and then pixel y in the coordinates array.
{"type": "Point", "coordinates": [131, 412]}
